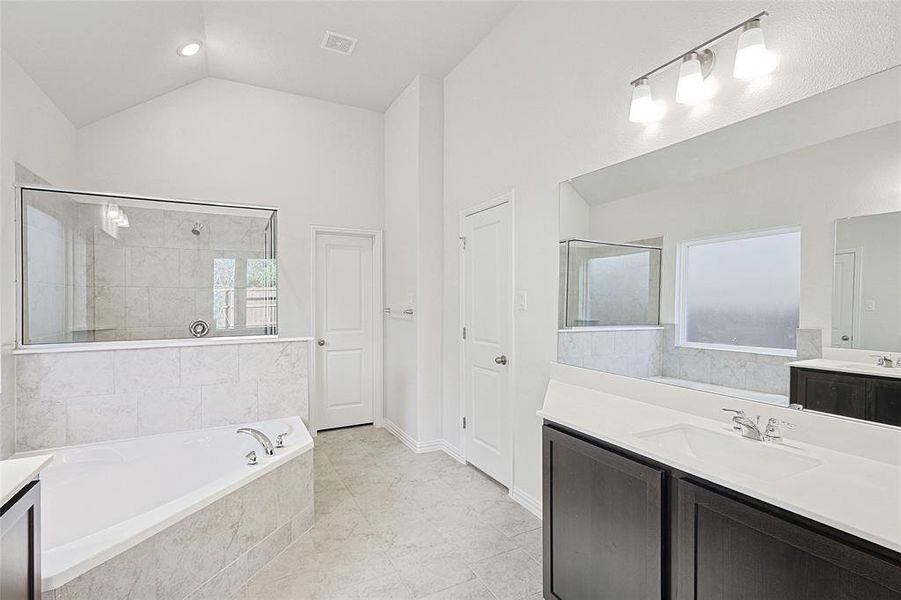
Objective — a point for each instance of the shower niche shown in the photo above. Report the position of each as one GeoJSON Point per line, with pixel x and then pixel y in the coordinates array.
{"type": "Point", "coordinates": [604, 284]}
{"type": "Point", "coordinates": [100, 267]}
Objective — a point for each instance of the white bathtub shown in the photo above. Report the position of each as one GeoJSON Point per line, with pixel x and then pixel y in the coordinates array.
{"type": "Point", "coordinates": [99, 500]}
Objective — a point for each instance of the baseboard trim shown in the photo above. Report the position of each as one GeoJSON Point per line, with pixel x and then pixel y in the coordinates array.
{"type": "Point", "coordinates": [453, 452]}
{"type": "Point", "coordinates": [526, 501]}
{"type": "Point", "coordinates": [408, 440]}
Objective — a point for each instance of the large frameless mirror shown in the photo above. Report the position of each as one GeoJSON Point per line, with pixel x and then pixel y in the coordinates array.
{"type": "Point", "coordinates": [110, 268]}
{"type": "Point", "coordinates": [760, 261]}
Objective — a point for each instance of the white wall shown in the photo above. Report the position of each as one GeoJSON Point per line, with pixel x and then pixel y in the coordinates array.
{"type": "Point", "coordinates": [35, 134]}
{"type": "Point", "coordinates": [319, 163]}
{"type": "Point", "coordinates": [413, 259]}
{"type": "Point", "coordinates": [545, 97]}
{"type": "Point", "coordinates": [574, 213]}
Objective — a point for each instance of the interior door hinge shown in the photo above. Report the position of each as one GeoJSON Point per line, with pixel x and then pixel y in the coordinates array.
{"type": "Point", "coordinates": [464, 333]}
{"type": "Point", "coordinates": [463, 242]}
{"type": "Point", "coordinates": [464, 422]}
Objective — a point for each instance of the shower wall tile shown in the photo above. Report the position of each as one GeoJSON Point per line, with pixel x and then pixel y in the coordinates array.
{"type": "Point", "coordinates": [147, 369]}
{"type": "Point", "coordinates": [80, 397]}
{"type": "Point", "coordinates": [195, 267]}
{"type": "Point", "coordinates": [631, 352]}
{"type": "Point", "coordinates": [165, 411]}
{"type": "Point", "coordinates": [137, 307]}
{"type": "Point", "coordinates": [109, 308]}
{"type": "Point", "coordinates": [810, 344]}
{"type": "Point", "coordinates": [97, 418]}
{"type": "Point", "coordinates": [229, 403]}
{"type": "Point", "coordinates": [170, 307]}
{"type": "Point", "coordinates": [208, 365]}
{"type": "Point", "coordinates": [146, 228]}
{"type": "Point", "coordinates": [109, 265]}
{"type": "Point", "coordinates": [152, 267]}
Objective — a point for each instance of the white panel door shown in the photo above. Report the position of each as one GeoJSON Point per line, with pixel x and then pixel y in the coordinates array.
{"type": "Point", "coordinates": [344, 330]}
{"type": "Point", "coordinates": [487, 306]}
{"type": "Point", "coordinates": [843, 287]}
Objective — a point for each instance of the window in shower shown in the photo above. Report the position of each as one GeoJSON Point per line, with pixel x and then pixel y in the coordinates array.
{"type": "Point", "coordinates": [99, 267]}
{"type": "Point", "coordinates": [741, 292]}
{"type": "Point", "coordinates": [607, 284]}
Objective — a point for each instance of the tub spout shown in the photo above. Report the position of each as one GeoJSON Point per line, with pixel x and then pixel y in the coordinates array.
{"type": "Point", "coordinates": [261, 437]}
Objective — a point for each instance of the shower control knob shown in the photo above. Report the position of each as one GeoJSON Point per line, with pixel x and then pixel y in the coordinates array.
{"type": "Point", "coordinates": [320, 342]}
{"type": "Point", "coordinates": [199, 328]}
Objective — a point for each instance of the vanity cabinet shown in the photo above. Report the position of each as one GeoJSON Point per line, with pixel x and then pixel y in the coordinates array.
{"type": "Point", "coordinates": [848, 394]}
{"type": "Point", "coordinates": [603, 516]}
{"type": "Point", "coordinates": [20, 545]}
{"type": "Point", "coordinates": [619, 526]}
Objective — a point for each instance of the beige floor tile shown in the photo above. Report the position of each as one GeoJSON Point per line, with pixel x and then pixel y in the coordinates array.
{"type": "Point", "coordinates": [473, 589]}
{"type": "Point", "coordinates": [510, 576]}
{"type": "Point", "coordinates": [432, 570]}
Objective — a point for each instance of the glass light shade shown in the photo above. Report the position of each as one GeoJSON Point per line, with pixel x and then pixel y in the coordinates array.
{"type": "Point", "coordinates": [690, 88]}
{"type": "Point", "coordinates": [122, 221]}
{"type": "Point", "coordinates": [643, 108]}
{"type": "Point", "coordinates": [752, 59]}
{"type": "Point", "coordinates": [112, 211]}
{"type": "Point", "coordinates": [190, 49]}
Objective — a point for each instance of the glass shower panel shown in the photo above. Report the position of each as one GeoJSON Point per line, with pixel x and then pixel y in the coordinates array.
{"type": "Point", "coordinates": [110, 268]}
{"type": "Point", "coordinates": [608, 284]}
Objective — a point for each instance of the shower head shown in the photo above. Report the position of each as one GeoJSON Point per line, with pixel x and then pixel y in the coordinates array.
{"type": "Point", "coordinates": [197, 228]}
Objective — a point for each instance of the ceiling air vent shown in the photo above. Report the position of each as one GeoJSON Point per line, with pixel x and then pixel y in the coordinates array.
{"type": "Point", "coordinates": [340, 43]}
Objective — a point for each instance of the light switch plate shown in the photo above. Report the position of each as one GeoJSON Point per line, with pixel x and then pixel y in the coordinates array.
{"type": "Point", "coordinates": [522, 300]}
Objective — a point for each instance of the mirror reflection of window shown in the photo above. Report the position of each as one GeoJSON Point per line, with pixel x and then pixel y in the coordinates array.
{"type": "Point", "coordinates": [224, 293]}
{"type": "Point", "coordinates": [742, 292]}
{"type": "Point", "coordinates": [261, 292]}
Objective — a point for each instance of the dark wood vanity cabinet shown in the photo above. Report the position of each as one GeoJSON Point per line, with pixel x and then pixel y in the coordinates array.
{"type": "Point", "coordinates": [618, 526]}
{"type": "Point", "coordinates": [603, 519]}
{"type": "Point", "coordinates": [848, 394]}
{"type": "Point", "coordinates": [20, 545]}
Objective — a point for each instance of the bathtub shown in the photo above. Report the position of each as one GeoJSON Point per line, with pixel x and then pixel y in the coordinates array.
{"type": "Point", "coordinates": [127, 509]}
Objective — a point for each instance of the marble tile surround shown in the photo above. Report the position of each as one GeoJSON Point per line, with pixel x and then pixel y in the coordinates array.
{"type": "Point", "coordinates": [213, 552]}
{"type": "Point", "coordinates": [65, 398]}
{"type": "Point", "coordinates": [630, 352]}
{"type": "Point", "coordinates": [650, 353]}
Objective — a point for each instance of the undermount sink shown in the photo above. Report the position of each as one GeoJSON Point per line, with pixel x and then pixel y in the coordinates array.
{"type": "Point", "coordinates": [738, 454]}
{"type": "Point", "coordinates": [858, 366]}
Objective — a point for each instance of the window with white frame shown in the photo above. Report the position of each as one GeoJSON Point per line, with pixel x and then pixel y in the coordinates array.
{"type": "Point", "coordinates": [741, 292]}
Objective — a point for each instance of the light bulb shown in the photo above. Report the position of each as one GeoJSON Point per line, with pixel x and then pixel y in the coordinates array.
{"type": "Point", "coordinates": [189, 49]}
{"type": "Point", "coordinates": [643, 108]}
{"type": "Point", "coordinates": [752, 59]}
{"type": "Point", "coordinates": [690, 88]}
{"type": "Point", "coordinates": [112, 211]}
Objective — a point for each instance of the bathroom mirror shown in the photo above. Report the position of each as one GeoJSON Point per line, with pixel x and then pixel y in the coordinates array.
{"type": "Point", "coordinates": [709, 264]}
{"type": "Point", "coordinates": [866, 287]}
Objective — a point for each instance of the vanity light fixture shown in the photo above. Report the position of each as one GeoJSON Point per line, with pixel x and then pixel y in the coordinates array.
{"type": "Point", "coordinates": [190, 49]}
{"type": "Point", "coordinates": [643, 109]}
{"type": "Point", "coordinates": [113, 212]}
{"type": "Point", "coordinates": [122, 221]}
{"type": "Point", "coordinates": [751, 60]}
{"type": "Point", "coordinates": [693, 71]}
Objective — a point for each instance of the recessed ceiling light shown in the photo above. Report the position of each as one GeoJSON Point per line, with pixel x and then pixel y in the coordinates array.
{"type": "Point", "coordinates": [189, 49]}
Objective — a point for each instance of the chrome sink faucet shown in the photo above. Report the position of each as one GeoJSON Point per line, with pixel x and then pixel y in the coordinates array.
{"type": "Point", "coordinates": [884, 360]}
{"type": "Point", "coordinates": [750, 429]}
{"type": "Point", "coordinates": [744, 426]}
{"type": "Point", "coordinates": [261, 437]}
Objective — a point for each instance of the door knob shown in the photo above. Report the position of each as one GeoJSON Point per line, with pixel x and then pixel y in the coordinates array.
{"type": "Point", "coordinates": [501, 360]}
{"type": "Point", "coordinates": [320, 342]}
{"type": "Point", "coordinates": [845, 338]}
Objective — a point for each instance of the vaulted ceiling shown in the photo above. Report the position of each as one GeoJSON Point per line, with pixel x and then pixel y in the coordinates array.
{"type": "Point", "coordinates": [94, 59]}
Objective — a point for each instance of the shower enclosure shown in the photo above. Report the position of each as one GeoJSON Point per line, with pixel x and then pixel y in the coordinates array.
{"type": "Point", "coordinates": [604, 284]}
{"type": "Point", "coordinates": [100, 267]}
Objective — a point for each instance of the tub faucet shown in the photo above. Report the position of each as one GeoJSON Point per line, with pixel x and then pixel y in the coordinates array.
{"type": "Point", "coordinates": [261, 437]}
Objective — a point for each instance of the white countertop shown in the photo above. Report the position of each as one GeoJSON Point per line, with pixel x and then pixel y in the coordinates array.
{"type": "Point", "coordinates": [857, 495]}
{"type": "Point", "coordinates": [847, 366]}
{"type": "Point", "coordinates": [16, 473]}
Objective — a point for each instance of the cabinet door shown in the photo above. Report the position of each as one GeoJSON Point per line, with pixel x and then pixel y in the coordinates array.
{"type": "Point", "coordinates": [20, 545]}
{"type": "Point", "coordinates": [727, 550]}
{"type": "Point", "coordinates": [603, 523]}
{"type": "Point", "coordinates": [832, 393]}
{"type": "Point", "coordinates": [885, 401]}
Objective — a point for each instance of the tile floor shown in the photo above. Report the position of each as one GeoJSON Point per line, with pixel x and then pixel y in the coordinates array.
{"type": "Point", "coordinates": [395, 525]}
